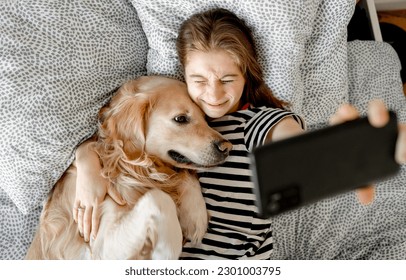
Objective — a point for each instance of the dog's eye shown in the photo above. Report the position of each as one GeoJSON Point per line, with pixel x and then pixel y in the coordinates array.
{"type": "Point", "coordinates": [181, 119]}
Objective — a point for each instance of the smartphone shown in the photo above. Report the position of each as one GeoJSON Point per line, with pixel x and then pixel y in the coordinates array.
{"type": "Point", "coordinates": [297, 171]}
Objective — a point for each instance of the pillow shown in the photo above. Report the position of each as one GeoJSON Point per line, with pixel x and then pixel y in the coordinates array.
{"type": "Point", "coordinates": [374, 73]}
{"type": "Point", "coordinates": [301, 46]}
{"type": "Point", "coordinates": [324, 67]}
{"type": "Point", "coordinates": [280, 29]}
{"type": "Point", "coordinates": [59, 64]}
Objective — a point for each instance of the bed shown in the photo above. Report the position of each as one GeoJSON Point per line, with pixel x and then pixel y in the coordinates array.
{"type": "Point", "coordinates": [61, 61]}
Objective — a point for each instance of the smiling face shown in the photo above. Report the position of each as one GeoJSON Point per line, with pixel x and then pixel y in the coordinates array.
{"type": "Point", "coordinates": [215, 82]}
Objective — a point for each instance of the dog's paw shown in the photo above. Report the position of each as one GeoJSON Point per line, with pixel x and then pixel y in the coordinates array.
{"type": "Point", "coordinates": [194, 221]}
{"type": "Point", "coordinates": [192, 212]}
{"type": "Point", "coordinates": [194, 231]}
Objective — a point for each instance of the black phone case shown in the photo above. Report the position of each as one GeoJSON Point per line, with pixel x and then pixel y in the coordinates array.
{"type": "Point", "coordinates": [306, 168]}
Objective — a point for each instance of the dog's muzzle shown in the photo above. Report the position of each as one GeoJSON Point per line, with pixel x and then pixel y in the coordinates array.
{"type": "Point", "coordinates": [179, 158]}
{"type": "Point", "coordinates": [215, 154]}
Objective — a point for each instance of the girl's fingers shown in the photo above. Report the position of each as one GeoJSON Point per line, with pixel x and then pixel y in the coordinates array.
{"type": "Point", "coordinates": [400, 155]}
{"type": "Point", "coordinates": [95, 221]}
{"type": "Point", "coordinates": [75, 211]}
{"type": "Point", "coordinates": [80, 220]}
{"type": "Point", "coordinates": [87, 219]}
{"type": "Point", "coordinates": [366, 195]}
{"type": "Point", "coordinates": [378, 115]}
{"type": "Point", "coordinates": [344, 113]}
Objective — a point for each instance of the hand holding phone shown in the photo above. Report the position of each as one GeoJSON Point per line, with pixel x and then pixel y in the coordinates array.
{"type": "Point", "coordinates": [306, 168]}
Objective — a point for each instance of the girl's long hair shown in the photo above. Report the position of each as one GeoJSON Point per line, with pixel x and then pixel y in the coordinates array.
{"type": "Point", "coordinates": [220, 29]}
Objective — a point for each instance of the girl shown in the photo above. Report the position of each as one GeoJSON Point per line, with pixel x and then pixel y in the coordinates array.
{"type": "Point", "coordinates": [216, 50]}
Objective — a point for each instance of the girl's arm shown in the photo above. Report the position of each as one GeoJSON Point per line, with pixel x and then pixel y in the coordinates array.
{"type": "Point", "coordinates": [285, 128]}
{"type": "Point", "coordinates": [91, 190]}
{"type": "Point", "coordinates": [377, 115]}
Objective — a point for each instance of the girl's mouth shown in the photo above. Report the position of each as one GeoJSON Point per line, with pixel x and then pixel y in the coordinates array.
{"type": "Point", "coordinates": [215, 105]}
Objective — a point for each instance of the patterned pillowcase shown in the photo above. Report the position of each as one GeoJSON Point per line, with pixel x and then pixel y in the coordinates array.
{"type": "Point", "coordinates": [59, 64]}
{"type": "Point", "coordinates": [301, 46]}
{"type": "Point", "coordinates": [366, 82]}
{"type": "Point", "coordinates": [324, 68]}
{"type": "Point", "coordinates": [280, 29]}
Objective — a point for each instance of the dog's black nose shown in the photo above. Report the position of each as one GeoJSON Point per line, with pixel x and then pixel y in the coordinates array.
{"type": "Point", "coordinates": [223, 147]}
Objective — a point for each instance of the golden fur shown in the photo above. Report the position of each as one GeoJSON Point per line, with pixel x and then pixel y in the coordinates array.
{"type": "Point", "coordinates": [151, 137]}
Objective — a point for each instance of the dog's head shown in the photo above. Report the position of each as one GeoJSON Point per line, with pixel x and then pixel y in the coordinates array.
{"type": "Point", "coordinates": [155, 116]}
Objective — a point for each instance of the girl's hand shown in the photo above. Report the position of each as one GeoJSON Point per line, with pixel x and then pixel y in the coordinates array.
{"type": "Point", "coordinates": [91, 190]}
{"type": "Point", "coordinates": [378, 116]}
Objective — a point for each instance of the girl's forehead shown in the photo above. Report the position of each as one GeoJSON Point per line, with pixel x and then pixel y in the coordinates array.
{"type": "Point", "coordinates": [218, 61]}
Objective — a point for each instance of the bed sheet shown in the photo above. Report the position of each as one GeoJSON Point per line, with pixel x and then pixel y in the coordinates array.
{"type": "Point", "coordinates": [340, 227]}
{"type": "Point", "coordinates": [336, 228]}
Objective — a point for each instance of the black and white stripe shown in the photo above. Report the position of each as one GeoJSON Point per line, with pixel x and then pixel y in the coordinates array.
{"type": "Point", "coordinates": [234, 231]}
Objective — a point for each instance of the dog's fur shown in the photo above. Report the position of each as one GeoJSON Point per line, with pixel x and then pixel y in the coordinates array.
{"type": "Point", "coordinates": [150, 139]}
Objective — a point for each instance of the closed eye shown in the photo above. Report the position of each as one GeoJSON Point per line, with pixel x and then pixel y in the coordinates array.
{"type": "Point", "coordinates": [226, 81]}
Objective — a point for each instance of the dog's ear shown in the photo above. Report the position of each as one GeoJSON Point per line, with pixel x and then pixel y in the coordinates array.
{"type": "Point", "coordinates": [123, 121]}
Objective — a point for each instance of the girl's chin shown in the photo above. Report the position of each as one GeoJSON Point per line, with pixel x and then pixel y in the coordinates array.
{"type": "Point", "coordinates": [213, 114]}
{"type": "Point", "coordinates": [216, 111]}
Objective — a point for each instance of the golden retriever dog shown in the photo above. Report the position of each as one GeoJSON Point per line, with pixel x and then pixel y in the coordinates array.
{"type": "Point", "coordinates": [151, 138]}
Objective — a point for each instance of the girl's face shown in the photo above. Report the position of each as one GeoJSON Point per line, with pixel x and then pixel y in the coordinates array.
{"type": "Point", "coordinates": [215, 82]}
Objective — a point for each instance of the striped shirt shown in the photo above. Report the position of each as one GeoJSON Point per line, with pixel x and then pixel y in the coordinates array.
{"type": "Point", "coordinates": [234, 230]}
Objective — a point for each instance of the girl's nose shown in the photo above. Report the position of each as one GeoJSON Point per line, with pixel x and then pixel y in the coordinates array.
{"type": "Point", "coordinates": [214, 91]}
